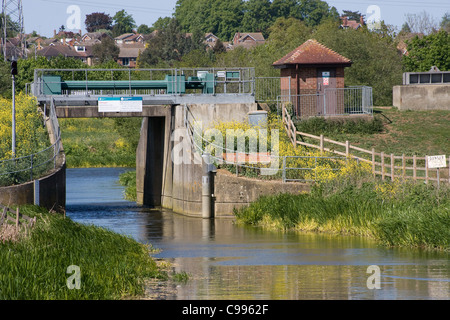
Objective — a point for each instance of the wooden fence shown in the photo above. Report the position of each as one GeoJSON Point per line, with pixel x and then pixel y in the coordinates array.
{"type": "Point", "coordinates": [383, 164]}
{"type": "Point", "coordinates": [18, 219]}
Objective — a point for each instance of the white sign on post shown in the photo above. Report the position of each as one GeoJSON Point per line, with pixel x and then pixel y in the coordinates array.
{"type": "Point", "coordinates": [120, 104]}
{"type": "Point", "coordinates": [436, 162]}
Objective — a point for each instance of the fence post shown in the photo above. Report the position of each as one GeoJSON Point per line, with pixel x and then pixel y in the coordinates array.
{"type": "Point", "coordinates": [403, 166]}
{"type": "Point", "coordinates": [426, 169]}
{"type": "Point", "coordinates": [17, 218]}
{"type": "Point", "coordinates": [382, 166]}
{"type": "Point", "coordinates": [392, 166]}
{"type": "Point", "coordinates": [321, 143]}
{"type": "Point", "coordinates": [347, 148]}
{"type": "Point", "coordinates": [31, 167]}
{"type": "Point", "coordinates": [294, 132]}
{"type": "Point", "coordinates": [414, 168]}
{"type": "Point", "coordinates": [373, 162]}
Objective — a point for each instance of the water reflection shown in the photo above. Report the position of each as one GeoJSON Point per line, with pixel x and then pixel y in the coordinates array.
{"type": "Point", "coordinates": [226, 261]}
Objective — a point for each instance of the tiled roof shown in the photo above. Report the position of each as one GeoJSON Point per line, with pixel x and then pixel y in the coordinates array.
{"type": "Point", "coordinates": [312, 52]}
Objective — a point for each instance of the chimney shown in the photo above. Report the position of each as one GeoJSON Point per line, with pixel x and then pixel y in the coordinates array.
{"type": "Point", "coordinates": [54, 33]}
{"type": "Point", "coordinates": [361, 20]}
{"type": "Point", "coordinates": [238, 36]}
{"type": "Point", "coordinates": [345, 21]}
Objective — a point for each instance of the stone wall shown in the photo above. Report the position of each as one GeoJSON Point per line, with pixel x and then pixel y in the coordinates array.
{"type": "Point", "coordinates": [235, 192]}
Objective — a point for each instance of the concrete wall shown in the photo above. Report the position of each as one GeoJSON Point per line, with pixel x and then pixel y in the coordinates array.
{"type": "Point", "coordinates": [422, 97]}
{"type": "Point", "coordinates": [236, 192]}
{"type": "Point", "coordinates": [50, 193]}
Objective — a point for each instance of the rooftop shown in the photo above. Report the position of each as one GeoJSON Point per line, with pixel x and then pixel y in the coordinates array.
{"type": "Point", "coordinates": [312, 53]}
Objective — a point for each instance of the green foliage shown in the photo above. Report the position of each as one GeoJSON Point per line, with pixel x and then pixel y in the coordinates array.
{"type": "Point", "coordinates": [224, 18]}
{"type": "Point", "coordinates": [428, 51]}
{"type": "Point", "coordinates": [123, 23]}
{"type": "Point", "coordinates": [376, 61]}
{"type": "Point", "coordinates": [327, 127]}
{"type": "Point", "coordinates": [106, 51]}
{"type": "Point", "coordinates": [97, 21]}
{"type": "Point", "coordinates": [128, 180]}
{"type": "Point", "coordinates": [112, 266]}
{"type": "Point", "coordinates": [408, 215]}
{"type": "Point", "coordinates": [168, 46]}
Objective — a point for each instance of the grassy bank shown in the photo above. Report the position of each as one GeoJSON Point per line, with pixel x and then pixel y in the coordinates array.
{"type": "Point", "coordinates": [112, 266]}
{"type": "Point", "coordinates": [410, 132]}
{"type": "Point", "coordinates": [96, 142]}
{"type": "Point", "coordinates": [402, 214]}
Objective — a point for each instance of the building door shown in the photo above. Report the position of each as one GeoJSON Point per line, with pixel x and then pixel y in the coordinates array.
{"type": "Point", "coordinates": [326, 100]}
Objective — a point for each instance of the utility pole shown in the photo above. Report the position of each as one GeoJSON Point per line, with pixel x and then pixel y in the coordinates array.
{"type": "Point", "coordinates": [13, 74]}
{"type": "Point", "coordinates": [13, 27]}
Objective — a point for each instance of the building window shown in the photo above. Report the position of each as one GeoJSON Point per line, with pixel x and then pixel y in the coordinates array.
{"type": "Point", "coordinates": [81, 49]}
{"type": "Point", "coordinates": [126, 61]}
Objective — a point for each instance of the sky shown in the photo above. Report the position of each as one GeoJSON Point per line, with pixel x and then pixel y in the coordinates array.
{"type": "Point", "coordinates": [44, 16]}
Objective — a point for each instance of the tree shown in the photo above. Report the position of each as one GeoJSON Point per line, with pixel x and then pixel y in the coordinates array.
{"type": "Point", "coordinates": [428, 51]}
{"type": "Point", "coordinates": [445, 22]}
{"type": "Point", "coordinates": [421, 23]}
{"type": "Point", "coordinates": [312, 12]}
{"type": "Point", "coordinates": [219, 47]}
{"type": "Point", "coordinates": [144, 29]}
{"type": "Point", "coordinates": [123, 23]}
{"type": "Point", "coordinates": [405, 28]}
{"type": "Point", "coordinates": [106, 50]}
{"type": "Point", "coordinates": [376, 62]}
{"type": "Point", "coordinates": [352, 15]}
{"type": "Point", "coordinates": [97, 21]}
{"type": "Point", "coordinates": [168, 46]}
{"type": "Point", "coordinates": [161, 23]}
{"type": "Point", "coordinates": [221, 17]}
{"type": "Point", "coordinates": [257, 17]}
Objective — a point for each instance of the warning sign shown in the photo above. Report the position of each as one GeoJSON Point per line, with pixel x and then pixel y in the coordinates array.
{"type": "Point", "coordinates": [436, 161]}
{"type": "Point", "coordinates": [326, 78]}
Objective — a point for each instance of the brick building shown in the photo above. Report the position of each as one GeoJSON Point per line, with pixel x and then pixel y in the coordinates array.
{"type": "Point", "coordinates": [315, 72]}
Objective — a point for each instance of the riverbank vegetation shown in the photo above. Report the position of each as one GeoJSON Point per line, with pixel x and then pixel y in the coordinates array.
{"type": "Point", "coordinates": [97, 142]}
{"type": "Point", "coordinates": [399, 213]}
{"type": "Point", "coordinates": [34, 266]}
{"type": "Point", "coordinates": [31, 135]}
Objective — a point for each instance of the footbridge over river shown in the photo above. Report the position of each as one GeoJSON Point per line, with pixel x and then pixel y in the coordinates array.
{"type": "Point", "coordinates": [165, 99]}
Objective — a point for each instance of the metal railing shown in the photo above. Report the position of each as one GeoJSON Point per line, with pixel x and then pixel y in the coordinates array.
{"type": "Point", "coordinates": [225, 80]}
{"type": "Point", "coordinates": [332, 102]}
{"type": "Point", "coordinates": [28, 168]}
{"type": "Point", "coordinates": [286, 169]}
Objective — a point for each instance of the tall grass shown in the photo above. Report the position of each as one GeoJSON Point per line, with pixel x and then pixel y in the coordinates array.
{"type": "Point", "coordinates": [112, 266]}
{"type": "Point", "coordinates": [396, 214]}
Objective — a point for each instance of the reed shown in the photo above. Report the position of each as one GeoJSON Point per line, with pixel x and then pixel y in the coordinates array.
{"type": "Point", "coordinates": [112, 266]}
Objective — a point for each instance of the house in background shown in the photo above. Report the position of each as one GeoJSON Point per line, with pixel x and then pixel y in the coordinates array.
{"type": "Point", "coordinates": [81, 52]}
{"type": "Point", "coordinates": [129, 53]}
{"type": "Point", "coordinates": [346, 23]}
{"type": "Point", "coordinates": [129, 38]}
{"type": "Point", "coordinates": [246, 40]}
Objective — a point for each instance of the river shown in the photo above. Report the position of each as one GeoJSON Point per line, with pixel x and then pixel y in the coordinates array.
{"type": "Point", "coordinates": [225, 261]}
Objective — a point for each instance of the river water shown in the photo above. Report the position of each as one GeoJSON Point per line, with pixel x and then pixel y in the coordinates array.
{"type": "Point", "coordinates": [225, 261]}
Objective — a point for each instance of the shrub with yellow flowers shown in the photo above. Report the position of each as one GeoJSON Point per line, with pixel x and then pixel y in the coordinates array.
{"type": "Point", "coordinates": [31, 136]}
{"type": "Point", "coordinates": [315, 165]}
